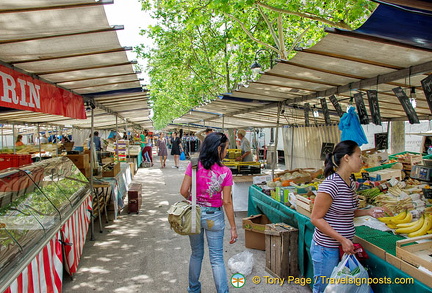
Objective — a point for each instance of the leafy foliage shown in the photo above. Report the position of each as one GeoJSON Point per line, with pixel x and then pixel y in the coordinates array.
{"type": "Point", "coordinates": [205, 48]}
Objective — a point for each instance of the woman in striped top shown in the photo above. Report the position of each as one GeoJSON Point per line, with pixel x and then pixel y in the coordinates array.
{"type": "Point", "coordinates": [334, 210]}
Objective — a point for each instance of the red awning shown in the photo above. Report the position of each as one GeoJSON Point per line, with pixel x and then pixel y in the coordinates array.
{"type": "Point", "coordinates": [21, 91]}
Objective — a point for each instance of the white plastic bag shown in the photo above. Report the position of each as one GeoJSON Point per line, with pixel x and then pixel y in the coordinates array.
{"type": "Point", "coordinates": [349, 276]}
{"type": "Point", "coordinates": [241, 263]}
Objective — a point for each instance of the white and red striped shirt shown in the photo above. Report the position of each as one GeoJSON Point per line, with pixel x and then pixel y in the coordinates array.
{"type": "Point", "coordinates": [340, 215]}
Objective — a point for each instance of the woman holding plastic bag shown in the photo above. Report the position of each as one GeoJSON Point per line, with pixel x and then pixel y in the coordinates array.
{"type": "Point", "coordinates": [335, 207]}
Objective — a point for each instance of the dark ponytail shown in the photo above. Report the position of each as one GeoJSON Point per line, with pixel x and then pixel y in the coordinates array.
{"type": "Point", "coordinates": [332, 160]}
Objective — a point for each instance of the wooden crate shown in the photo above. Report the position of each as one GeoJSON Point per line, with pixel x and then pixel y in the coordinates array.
{"type": "Point", "coordinates": [304, 203]}
{"type": "Point", "coordinates": [419, 254]}
{"type": "Point", "coordinates": [113, 172]}
{"type": "Point", "coordinates": [281, 243]}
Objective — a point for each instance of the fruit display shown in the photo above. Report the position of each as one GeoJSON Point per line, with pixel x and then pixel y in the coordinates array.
{"type": "Point", "coordinates": [403, 224]}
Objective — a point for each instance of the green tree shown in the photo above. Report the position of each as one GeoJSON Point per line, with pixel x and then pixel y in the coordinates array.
{"type": "Point", "coordinates": [205, 48]}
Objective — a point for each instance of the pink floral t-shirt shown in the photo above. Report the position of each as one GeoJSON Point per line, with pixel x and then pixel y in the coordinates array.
{"type": "Point", "coordinates": [210, 184]}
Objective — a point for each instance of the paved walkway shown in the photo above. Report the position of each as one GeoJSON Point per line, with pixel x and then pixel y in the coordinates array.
{"type": "Point", "coordinates": [139, 252]}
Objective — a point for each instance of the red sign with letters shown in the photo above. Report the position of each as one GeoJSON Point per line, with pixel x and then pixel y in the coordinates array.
{"type": "Point", "coordinates": [20, 91]}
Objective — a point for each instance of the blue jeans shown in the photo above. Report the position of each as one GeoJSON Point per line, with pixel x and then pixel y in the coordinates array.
{"type": "Point", "coordinates": [324, 261]}
{"type": "Point", "coordinates": [213, 225]}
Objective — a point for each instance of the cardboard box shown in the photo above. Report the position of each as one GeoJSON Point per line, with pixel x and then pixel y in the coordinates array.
{"type": "Point", "coordinates": [113, 172]}
{"type": "Point", "coordinates": [81, 161]}
{"type": "Point", "coordinates": [254, 227]}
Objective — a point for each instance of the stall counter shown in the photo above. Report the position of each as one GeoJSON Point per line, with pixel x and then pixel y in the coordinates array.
{"type": "Point", "coordinates": [260, 203]}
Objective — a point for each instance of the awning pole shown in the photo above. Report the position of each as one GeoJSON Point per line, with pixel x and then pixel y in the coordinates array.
{"type": "Point", "coordinates": [276, 140]}
{"type": "Point", "coordinates": [116, 139]}
{"type": "Point", "coordinates": [92, 151]}
{"type": "Point", "coordinates": [13, 138]}
{"type": "Point", "coordinates": [223, 122]}
{"type": "Point", "coordinates": [39, 141]}
{"type": "Point", "coordinates": [2, 136]}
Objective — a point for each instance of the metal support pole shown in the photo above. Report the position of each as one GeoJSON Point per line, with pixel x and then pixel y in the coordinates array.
{"type": "Point", "coordinates": [94, 196]}
{"type": "Point", "coordinates": [277, 137]}
{"type": "Point", "coordinates": [39, 141]}
{"type": "Point", "coordinates": [223, 122]}
{"type": "Point", "coordinates": [13, 138]}
{"type": "Point", "coordinates": [116, 139]}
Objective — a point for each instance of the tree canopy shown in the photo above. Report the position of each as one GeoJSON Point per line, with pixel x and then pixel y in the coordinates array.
{"type": "Point", "coordinates": [202, 49]}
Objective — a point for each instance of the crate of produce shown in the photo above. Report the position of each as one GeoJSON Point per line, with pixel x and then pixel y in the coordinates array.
{"type": "Point", "coordinates": [408, 159]}
{"type": "Point", "coordinates": [281, 245]}
{"type": "Point", "coordinates": [12, 160]}
{"type": "Point", "coordinates": [415, 253]}
{"type": "Point", "coordinates": [233, 154]}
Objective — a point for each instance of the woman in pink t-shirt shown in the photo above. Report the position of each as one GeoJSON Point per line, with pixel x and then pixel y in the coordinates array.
{"type": "Point", "coordinates": [214, 183]}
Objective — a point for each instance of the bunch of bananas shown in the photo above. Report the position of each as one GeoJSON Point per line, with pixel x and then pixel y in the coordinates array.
{"type": "Point", "coordinates": [401, 218]}
{"type": "Point", "coordinates": [417, 228]}
{"type": "Point", "coordinates": [403, 225]}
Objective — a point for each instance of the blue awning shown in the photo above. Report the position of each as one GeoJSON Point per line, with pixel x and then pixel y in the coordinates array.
{"type": "Point", "coordinates": [401, 24]}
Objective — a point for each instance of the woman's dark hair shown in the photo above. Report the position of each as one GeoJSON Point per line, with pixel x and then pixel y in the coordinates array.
{"type": "Point", "coordinates": [346, 147]}
{"type": "Point", "coordinates": [210, 152]}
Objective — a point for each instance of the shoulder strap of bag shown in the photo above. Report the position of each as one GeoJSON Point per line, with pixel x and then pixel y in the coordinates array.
{"type": "Point", "coordinates": [194, 162]}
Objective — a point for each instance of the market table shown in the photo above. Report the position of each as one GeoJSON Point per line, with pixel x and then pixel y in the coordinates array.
{"type": "Point", "coordinates": [119, 186]}
{"type": "Point", "coordinates": [240, 189]}
{"type": "Point", "coordinates": [260, 203]}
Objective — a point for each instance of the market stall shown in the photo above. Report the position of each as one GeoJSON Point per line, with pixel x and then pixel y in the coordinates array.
{"type": "Point", "coordinates": [39, 204]}
{"type": "Point", "coordinates": [260, 203]}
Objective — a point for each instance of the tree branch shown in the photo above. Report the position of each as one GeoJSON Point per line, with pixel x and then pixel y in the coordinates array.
{"type": "Point", "coordinates": [273, 33]}
{"type": "Point", "coordinates": [250, 34]}
{"type": "Point", "coordinates": [341, 24]}
{"type": "Point", "coordinates": [281, 37]}
{"type": "Point", "coordinates": [296, 41]}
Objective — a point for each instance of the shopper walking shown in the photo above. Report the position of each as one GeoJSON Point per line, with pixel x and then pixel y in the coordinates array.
{"type": "Point", "coordinates": [162, 149]}
{"type": "Point", "coordinates": [335, 207]}
{"type": "Point", "coordinates": [147, 151]}
{"type": "Point", "coordinates": [176, 149]}
{"type": "Point", "coordinates": [213, 190]}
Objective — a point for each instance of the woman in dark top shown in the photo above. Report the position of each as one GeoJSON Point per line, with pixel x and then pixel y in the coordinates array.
{"type": "Point", "coordinates": [176, 149]}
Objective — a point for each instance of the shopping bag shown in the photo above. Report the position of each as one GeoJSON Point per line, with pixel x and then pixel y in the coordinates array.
{"type": "Point", "coordinates": [348, 276]}
{"type": "Point", "coordinates": [182, 156]}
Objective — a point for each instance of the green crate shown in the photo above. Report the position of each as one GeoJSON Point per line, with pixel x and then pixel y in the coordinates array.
{"type": "Point", "coordinates": [382, 167]}
{"type": "Point", "coordinates": [393, 157]}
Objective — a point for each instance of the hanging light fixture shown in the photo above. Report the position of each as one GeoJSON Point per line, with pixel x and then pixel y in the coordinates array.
{"type": "Point", "coordinates": [256, 67]}
{"type": "Point", "coordinates": [413, 97]}
{"type": "Point", "coordinates": [315, 112]}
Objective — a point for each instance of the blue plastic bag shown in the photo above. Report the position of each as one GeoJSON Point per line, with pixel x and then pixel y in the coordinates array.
{"type": "Point", "coordinates": [182, 156]}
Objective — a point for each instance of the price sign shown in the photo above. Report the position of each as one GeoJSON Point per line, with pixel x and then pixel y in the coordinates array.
{"type": "Point", "coordinates": [427, 88]}
{"type": "Point", "coordinates": [361, 108]}
{"type": "Point", "coordinates": [326, 148]}
{"type": "Point", "coordinates": [374, 106]}
{"type": "Point", "coordinates": [381, 141]}
{"type": "Point", "coordinates": [406, 105]}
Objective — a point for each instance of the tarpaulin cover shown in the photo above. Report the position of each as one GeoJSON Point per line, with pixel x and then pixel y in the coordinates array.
{"type": "Point", "coordinates": [401, 25]}
{"type": "Point", "coordinates": [21, 91]}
